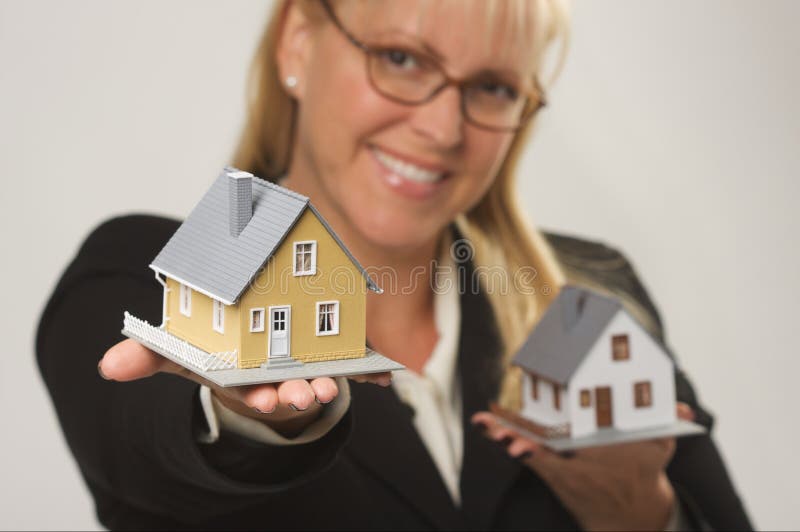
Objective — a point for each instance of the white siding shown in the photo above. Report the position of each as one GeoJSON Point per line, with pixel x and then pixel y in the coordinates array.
{"type": "Point", "coordinates": [542, 411]}
{"type": "Point", "coordinates": [647, 362]}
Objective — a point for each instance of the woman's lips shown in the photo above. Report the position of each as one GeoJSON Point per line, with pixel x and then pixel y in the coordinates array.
{"type": "Point", "coordinates": [410, 179]}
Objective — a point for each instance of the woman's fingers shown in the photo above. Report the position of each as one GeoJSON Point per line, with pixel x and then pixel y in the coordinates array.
{"type": "Point", "coordinates": [325, 389]}
{"type": "Point", "coordinates": [263, 398]}
{"type": "Point", "coordinates": [381, 379]}
{"type": "Point", "coordinates": [483, 419]}
{"type": "Point", "coordinates": [516, 444]}
{"type": "Point", "coordinates": [130, 360]}
{"type": "Point", "coordinates": [522, 448]}
{"type": "Point", "coordinates": [296, 394]}
{"type": "Point", "coordinates": [685, 412]}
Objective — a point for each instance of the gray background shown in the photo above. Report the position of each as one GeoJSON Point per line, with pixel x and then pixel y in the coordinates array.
{"type": "Point", "coordinates": [672, 135]}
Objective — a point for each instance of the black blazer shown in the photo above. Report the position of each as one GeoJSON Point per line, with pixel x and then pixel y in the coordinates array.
{"type": "Point", "coordinates": [136, 442]}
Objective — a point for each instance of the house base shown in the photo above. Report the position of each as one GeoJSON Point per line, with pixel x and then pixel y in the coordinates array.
{"type": "Point", "coordinates": [221, 374]}
{"type": "Point", "coordinates": [606, 436]}
{"type": "Point", "coordinates": [542, 431]}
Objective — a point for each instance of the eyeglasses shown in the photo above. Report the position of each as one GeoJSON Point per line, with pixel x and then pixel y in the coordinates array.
{"type": "Point", "coordinates": [491, 100]}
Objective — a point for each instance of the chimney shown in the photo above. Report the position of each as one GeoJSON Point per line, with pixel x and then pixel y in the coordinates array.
{"type": "Point", "coordinates": [573, 299]}
{"type": "Point", "coordinates": [240, 199]}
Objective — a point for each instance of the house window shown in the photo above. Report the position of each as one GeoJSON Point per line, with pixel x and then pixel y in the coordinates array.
{"type": "Point", "coordinates": [620, 349]}
{"type": "Point", "coordinates": [256, 320]}
{"type": "Point", "coordinates": [535, 387]}
{"type": "Point", "coordinates": [327, 318]}
{"type": "Point", "coordinates": [556, 396]}
{"type": "Point", "coordinates": [305, 258]}
{"type": "Point", "coordinates": [186, 300]}
{"type": "Point", "coordinates": [586, 398]}
{"type": "Point", "coordinates": [642, 394]}
{"type": "Point", "coordinates": [218, 317]}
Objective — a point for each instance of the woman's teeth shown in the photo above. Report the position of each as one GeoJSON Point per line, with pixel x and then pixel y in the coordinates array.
{"type": "Point", "coordinates": [407, 170]}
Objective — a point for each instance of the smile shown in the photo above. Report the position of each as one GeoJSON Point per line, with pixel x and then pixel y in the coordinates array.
{"type": "Point", "coordinates": [407, 170]}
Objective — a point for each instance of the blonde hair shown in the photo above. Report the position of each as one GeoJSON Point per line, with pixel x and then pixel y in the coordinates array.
{"type": "Point", "coordinates": [496, 227]}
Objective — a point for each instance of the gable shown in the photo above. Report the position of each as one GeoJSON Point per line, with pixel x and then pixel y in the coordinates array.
{"type": "Point", "coordinates": [646, 357]}
{"type": "Point", "coordinates": [329, 259]}
{"type": "Point", "coordinates": [203, 253]}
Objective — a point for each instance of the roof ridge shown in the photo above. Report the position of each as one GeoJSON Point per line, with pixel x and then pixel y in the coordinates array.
{"type": "Point", "coordinates": [277, 188]}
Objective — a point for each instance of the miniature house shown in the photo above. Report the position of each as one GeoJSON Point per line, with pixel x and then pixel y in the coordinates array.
{"type": "Point", "coordinates": [255, 277]}
{"type": "Point", "coordinates": [588, 365]}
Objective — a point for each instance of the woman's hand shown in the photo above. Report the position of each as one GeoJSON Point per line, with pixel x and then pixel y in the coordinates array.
{"type": "Point", "coordinates": [286, 407]}
{"type": "Point", "coordinates": [615, 487]}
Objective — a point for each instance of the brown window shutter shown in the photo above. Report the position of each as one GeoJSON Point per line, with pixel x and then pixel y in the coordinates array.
{"type": "Point", "coordinates": [586, 398]}
{"type": "Point", "coordinates": [620, 347]}
{"type": "Point", "coordinates": [643, 395]}
{"type": "Point", "coordinates": [535, 387]}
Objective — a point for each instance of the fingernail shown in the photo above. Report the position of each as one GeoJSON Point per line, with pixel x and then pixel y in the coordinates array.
{"type": "Point", "coordinates": [263, 411]}
{"type": "Point", "coordinates": [100, 370]}
{"type": "Point", "coordinates": [296, 408]}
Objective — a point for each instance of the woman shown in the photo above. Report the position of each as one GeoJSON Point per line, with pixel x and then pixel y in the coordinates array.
{"type": "Point", "coordinates": [403, 122]}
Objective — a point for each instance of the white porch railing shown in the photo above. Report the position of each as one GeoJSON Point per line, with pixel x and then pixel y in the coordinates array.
{"type": "Point", "coordinates": [180, 349]}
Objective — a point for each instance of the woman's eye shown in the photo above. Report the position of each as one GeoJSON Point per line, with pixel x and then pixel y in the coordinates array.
{"type": "Point", "coordinates": [499, 90]}
{"type": "Point", "coordinates": [400, 59]}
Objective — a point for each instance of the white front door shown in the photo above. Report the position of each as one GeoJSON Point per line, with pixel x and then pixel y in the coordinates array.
{"type": "Point", "coordinates": [280, 319]}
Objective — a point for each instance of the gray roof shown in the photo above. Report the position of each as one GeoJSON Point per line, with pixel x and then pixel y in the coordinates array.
{"type": "Point", "coordinates": [203, 255]}
{"type": "Point", "coordinates": [566, 333]}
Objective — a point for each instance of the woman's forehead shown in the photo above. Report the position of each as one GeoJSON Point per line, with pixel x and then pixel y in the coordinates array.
{"type": "Point", "coordinates": [468, 34]}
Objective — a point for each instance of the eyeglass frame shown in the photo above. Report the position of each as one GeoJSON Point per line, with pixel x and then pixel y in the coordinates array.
{"type": "Point", "coordinates": [447, 82]}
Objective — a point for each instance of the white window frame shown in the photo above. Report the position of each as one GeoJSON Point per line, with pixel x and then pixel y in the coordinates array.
{"type": "Point", "coordinates": [313, 269]}
{"type": "Point", "coordinates": [185, 300]}
{"type": "Point", "coordinates": [263, 319]}
{"type": "Point", "coordinates": [336, 316]}
{"type": "Point", "coordinates": [218, 316]}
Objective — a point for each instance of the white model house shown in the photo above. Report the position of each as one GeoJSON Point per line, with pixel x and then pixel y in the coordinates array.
{"type": "Point", "coordinates": [589, 365]}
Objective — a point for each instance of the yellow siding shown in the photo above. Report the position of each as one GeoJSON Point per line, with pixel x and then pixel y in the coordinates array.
{"type": "Point", "coordinates": [337, 278]}
{"type": "Point", "coordinates": [198, 329]}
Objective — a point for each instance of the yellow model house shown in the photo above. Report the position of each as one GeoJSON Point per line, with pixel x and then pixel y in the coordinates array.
{"type": "Point", "coordinates": [256, 278]}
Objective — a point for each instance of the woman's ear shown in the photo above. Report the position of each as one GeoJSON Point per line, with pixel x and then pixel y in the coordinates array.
{"type": "Point", "coordinates": [293, 53]}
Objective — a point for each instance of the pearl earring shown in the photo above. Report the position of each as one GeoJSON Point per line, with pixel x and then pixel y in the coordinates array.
{"type": "Point", "coordinates": [291, 81]}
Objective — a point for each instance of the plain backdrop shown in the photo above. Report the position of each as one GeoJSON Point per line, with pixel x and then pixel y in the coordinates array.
{"type": "Point", "coordinates": [672, 135]}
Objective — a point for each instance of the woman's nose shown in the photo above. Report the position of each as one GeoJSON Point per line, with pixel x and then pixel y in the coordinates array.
{"type": "Point", "coordinates": [440, 120]}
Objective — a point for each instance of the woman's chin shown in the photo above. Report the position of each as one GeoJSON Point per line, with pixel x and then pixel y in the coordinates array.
{"type": "Point", "coordinates": [398, 233]}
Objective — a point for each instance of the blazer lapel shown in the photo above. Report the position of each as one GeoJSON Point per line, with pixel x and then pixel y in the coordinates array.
{"type": "Point", "coordinates": [385, 441]}
{"type": "Point", "coordinates": [487, 472]}
{"type": "Point", "coordinates": [383, 423]}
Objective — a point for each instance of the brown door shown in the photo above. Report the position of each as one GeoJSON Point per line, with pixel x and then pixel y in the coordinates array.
{"type": "Point", "coordinates": [603, 406]}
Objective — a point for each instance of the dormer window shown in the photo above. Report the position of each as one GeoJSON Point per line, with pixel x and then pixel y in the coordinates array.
{"type": "Point", "coordinates": [305, 258]}
{"type": "Point", "coordinates": [620, 348]}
